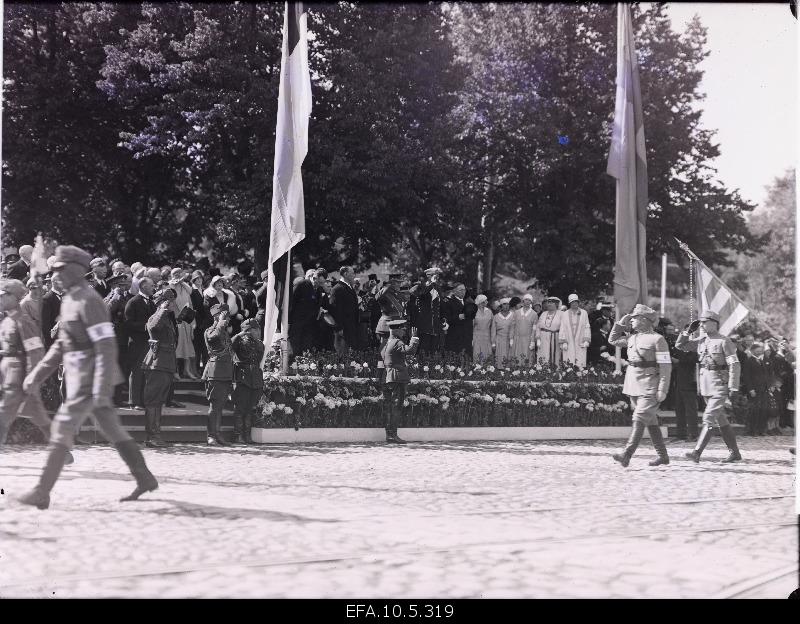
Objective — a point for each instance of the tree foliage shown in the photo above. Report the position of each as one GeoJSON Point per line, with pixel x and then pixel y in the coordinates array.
{"type": "Point", "coordinates": [470, 135]}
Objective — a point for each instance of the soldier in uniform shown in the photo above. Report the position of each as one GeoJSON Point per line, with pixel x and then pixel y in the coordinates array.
{"type": "Point", "coordinates": [159, 363]}
{"type": "Point", "coordinates": [719, 379]}
{"type": "Point", "coordinates": [218, 373]}
{"type": "Point", "coordinates": [88, 348]}
{"type": "Point", "coordinates": [646, 380]}
{"type": "Point", "coordinates": [22, 349]}
{"type": "Point", "coordinates": [392, 305]}
{"type": "Point", "coordinates": [247, 378]}
{"type": "Point", "coordinates": [116, 300]}
{"type": "Point", "coordinates": [397, 378]}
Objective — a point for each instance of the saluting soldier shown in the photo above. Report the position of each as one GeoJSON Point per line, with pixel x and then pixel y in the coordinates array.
{"type": "Point", "coordinates": [218, 373]}
{"type": "Point", "coordinates": [397, 377]}
{"type": "Point", "coordinates": [159, 363]}
{"type": "Point", "coordinates": [391, 302]}
{"type": "Point", "coordinates": [22, 349]}
{"type": "Point", "coordinates": [248, 379]}
{"type": "Point", "coordinates": [88, 348]}
{"type": "Point", "coordinates": [646, 380]}
{"type": "Point", "coordinates": [719, 380]}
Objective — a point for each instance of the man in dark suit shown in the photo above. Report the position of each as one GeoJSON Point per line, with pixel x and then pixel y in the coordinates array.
{"type": "Point", "coordinates": [303, 314]}
{"type": "Point", "coordinates": [203, 319]}
{"type": "Point", "coordinates": [425, 310]}
{"type": "Point", "coordinates": [98, 277]}
{"type": "Point", "coordinates": [137, 311]}
{"type": "Point", "coordinates": [116, 301]}
{"type": "Point", "coordinates": [51, 308]}
{"type": "Point", "coordinates": [459, 317]}
{"type": "Point", "coordinates": [344, 309]}
{"type": "Point", "coordinates": [21, 268]}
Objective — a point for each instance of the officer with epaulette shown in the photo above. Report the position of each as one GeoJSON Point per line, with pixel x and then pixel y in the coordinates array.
{"type": "Point", "coordinates": [22, 349]}
{"type": "Point", "coordinates": [719, 379]}
{"type": "Point", "coordinates": [248, 380]}
{"type": "Point", "coordinates": [397, 378]}
{"type": "Point", "coordinates": [88, 348]}
{"type": "Point", "coordinates": [218, 372]}
{"type": "Point", "coordinates": [646, 380]}
{"type": "Point", "coordinates": [159, 363]}
{"type": "Point", "coordinates": [391, 302]}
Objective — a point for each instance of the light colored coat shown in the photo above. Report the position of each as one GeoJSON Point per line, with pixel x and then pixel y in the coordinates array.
{"type": "Point", "coordinates": [547, 329]}
{"type": "Point", "coordinates": [503, 332]}
{"type": "Point", "coordinates": [576, 338]}
{"type": "Point", "coordinates": [524, 332]}
{"type": "Point", "coordinates": [482, 334]}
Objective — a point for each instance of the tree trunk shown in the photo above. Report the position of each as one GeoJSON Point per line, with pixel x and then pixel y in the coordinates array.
{"type": "Point", "coordinates": [488, 264]}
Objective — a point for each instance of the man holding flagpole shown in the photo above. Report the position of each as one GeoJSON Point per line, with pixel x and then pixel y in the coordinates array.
{"type": "Point", "coordinates": [291, 145]}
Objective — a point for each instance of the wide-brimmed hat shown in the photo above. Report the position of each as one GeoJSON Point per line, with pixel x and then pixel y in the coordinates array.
{"type": "Point", "coordinates": [66, 254]}
{"type": "Point", "coordinates": [646, 312]}
{"type": "Point", "coordinates": [555, 300]}
{"type": "Point", "coordinates": [710, 315]}
{"type": "Point", "coordinates": [13, 287]}
{"type": "Point", "coordinates": [397, 323]}
{"type": "Point", "coordinates": [217, 278]}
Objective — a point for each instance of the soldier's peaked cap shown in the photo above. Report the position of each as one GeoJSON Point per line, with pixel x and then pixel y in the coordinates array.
{"type": "Point", "coordinates": [709, 315]}
{"type": "Point", "coordinates": [645, 311]}
{"type": "Point", "coordinates": [69, 253]}
{"type": "Point", "coordinates": [396, 324]}
{"type": "Point", "coordinates": [13, 287]}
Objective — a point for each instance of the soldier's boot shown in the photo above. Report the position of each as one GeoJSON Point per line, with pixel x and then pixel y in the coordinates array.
{"type": "Point", "coordinates": [729, 437]}
{"type": "Point", "coordinates": [238, 426]}
{"type": "Point", "coordinates": [702, 441]}
{"type": "Point", "coordinates": [247, 428]}
{"type": "Point", "coordinates": [658, 444]}
{"type": "Point", "coordinates": [39, 496]}
{"type": "Point", "coordinates": [395, 419]}
{"type": "Point", "coordinates": [637, 431]}
{"type": "Point", "coordinates": [69, 459]}
{"type": "Point", "coordinates": [387, 407]}
{"type": "Point", "coordinates": [132, 456]}
{"type": "Point", "coordinates": [158, 441]}
{"type": "Point", "coordinates": [221, 441]}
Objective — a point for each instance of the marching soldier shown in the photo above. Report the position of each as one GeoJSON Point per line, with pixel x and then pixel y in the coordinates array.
{"type": "Point", "coordinates": [22, 349]}
{"type": "Point", "coordinates": [159, 364]}
{"type": "Point", "coordinates": [248, 379]}
{"type": "Point", "coordinates": [719, 380]}
{"type": "Point", "coordinates": [397, 378]}
{"type": "Point", "coordinates": [218, 373]}
{"type": "Point", "coordinates": [88, 348]}
{"type": "Point", "coordinates": [391, 302]}
{"type": "Point", "coordinates": [646, 380]}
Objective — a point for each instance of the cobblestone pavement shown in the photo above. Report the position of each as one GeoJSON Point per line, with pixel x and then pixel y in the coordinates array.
{"type": "Point", "coordinates": [476, 519]}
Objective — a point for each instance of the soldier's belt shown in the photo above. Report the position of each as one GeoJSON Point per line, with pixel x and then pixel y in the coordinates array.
{"type": "Point", "coordinates": [643, 364]}
{"type": "Point", "coordinates": [713, 367]}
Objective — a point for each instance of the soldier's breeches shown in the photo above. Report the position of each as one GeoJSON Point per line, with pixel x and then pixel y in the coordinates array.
{"type": "Point", "coordinates": [70, 417]}
{"type": "Point", "coordinates": [244, 400]}
{"type": "Point", "coordinates": [217, 393]}
{"type": "Point", "coordinates": [157, 384]}
{"type": "Point", "coordinates": [394, 395]}
{"type": "Point", "coordinates": [645, 410]}
{"type": "Point", "coordinates": [715, 414]}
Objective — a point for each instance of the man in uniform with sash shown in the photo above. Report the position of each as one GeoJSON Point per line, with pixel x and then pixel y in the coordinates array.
{"type": "Point", "coordinates": [248, 379]}
{"type": "Point", "coordinates": [719, 380]}
{"type": "Point", "coordinates": [646, 380]}
{"type": "Point", "coordinates": [218, 373]}
{"type": "Point", "coordinates": [394, 389]}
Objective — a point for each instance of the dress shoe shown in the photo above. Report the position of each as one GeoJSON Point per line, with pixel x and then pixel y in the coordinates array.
{"type": "Point", "coordinates": [156, 443]}
{"type": "Point", "coordinates": [175, 404]}
{"type": "Point", "coordinates": [211, 441]}
{"type": "Point", "coordinates": [221, 441]}
{"type": "Point", "coordinates": [36, 498]}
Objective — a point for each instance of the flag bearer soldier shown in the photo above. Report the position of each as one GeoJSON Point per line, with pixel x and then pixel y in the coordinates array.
{"type": "Point", "coordinates": [21, 348]}
{"type": "Point", "coordinates": [159, 363]}
{"type": "Point", "coordinates": [248, 380]}
{"type": "Point", "coordinates": [646, 380]}
{"type": "Point", "coordinates": [390, 301]}
{"type": "Point", "coordinates": [88, 348]}
{"type": "Point", "coordinates": [719, 380]}
{"type": "Point", "coordinates": [218, 372]}
{"type": "Point", "coordinates": [397, 378]}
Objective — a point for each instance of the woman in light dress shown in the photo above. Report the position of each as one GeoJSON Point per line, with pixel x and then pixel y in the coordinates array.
{"type": "Point", "coordinates": [185, 348]}
{"type": "Point", "coordinates": [526, 319]}
{"type": "Point", "coordinates": [503, 331]}
{"type": "Point", "coordinates": [547, 328]}
{"type": "Point", "coordinates": [482, 330]}
{"type": "Point", "coordinates": [576, 333]}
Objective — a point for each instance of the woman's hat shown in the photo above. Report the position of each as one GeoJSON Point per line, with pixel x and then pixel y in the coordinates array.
{"type": "Point", "coordinates": [504, 300]}
{"type": "Point", "coordinates": [480, 299]}
{"type": "Point", "coordinates": [573, 297]}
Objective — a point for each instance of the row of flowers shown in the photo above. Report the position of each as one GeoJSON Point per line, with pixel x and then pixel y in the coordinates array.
{"type": "Point", "coordinates": [442, 367]}
{"type": "Point", "coordinates": [326, 402]}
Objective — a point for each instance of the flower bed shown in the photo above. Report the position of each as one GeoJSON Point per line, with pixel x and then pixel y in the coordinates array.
{"type": "Point", "coordinates": [317, 401]}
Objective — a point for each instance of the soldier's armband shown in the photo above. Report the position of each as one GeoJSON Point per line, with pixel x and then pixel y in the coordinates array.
{"type": "Point", "coordinates": [101, 331]}
{"type": "Point", "coordinates": [731, 360]}
{"type": "Point", "coordinates": [662, 357]}
{"type": "Point", "coordinates": [33, 343]}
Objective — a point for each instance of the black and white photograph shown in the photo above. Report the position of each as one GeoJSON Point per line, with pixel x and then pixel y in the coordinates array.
{"type": "Point", "coordinates": [417, 307]}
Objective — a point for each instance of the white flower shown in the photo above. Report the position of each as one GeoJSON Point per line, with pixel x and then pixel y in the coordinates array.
{"type": "Point", "coordinates": [451, 368]}
{"type": "Point", "coordinates": [365, 365]}
{"type": "Point", "coordinates": [425, 368]}
{"type": "Point", "coordinates": [461, 373]}
{"type": "Point", "coordinates": [300, 401]}
{"type": "Point", "coordinates": [491, 369]}
{"type": "Point", "coordinates": [313, 366]}
{"type": "Point", "coordinates": [287, 409]}
{"type": "Point", "coordinates": [328, 366]}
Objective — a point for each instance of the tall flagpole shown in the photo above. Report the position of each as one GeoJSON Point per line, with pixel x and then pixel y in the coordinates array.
{"type": "Point", "coordinates": [663, 284]}
{"type": "Point", "coordinates": [287, 287]}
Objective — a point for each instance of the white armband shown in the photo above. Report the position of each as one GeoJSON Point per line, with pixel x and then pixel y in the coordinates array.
{"type": "Point", "coordinates": [101, 331]}
{"type": "Point", "coordinates": [33, 343]}
{"type": "Point", "coordinates": [732, 359]}
{"type": "Point", "coordinates": [663, 357]}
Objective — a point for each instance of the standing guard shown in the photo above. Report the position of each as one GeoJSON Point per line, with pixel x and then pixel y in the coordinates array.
{"type": "Point", "coordinates": [397, 378]}
{"type": "Point", "coordinates": [390, 300]}
{"type": "Point", "coordinates": [22, 349]}
{"type": "Point", "coordinates": [247, 377]}
{"type": "Point", "coordinates": [88, 348]}
{"type": "Point", "coordinates": [159, 363]}
{"type": "Point", "coordinates": [646, 380]}
{"type": "Point", "coordinates": [719, 380]}
{"type": "Point", "coordinates": [218, 373]}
